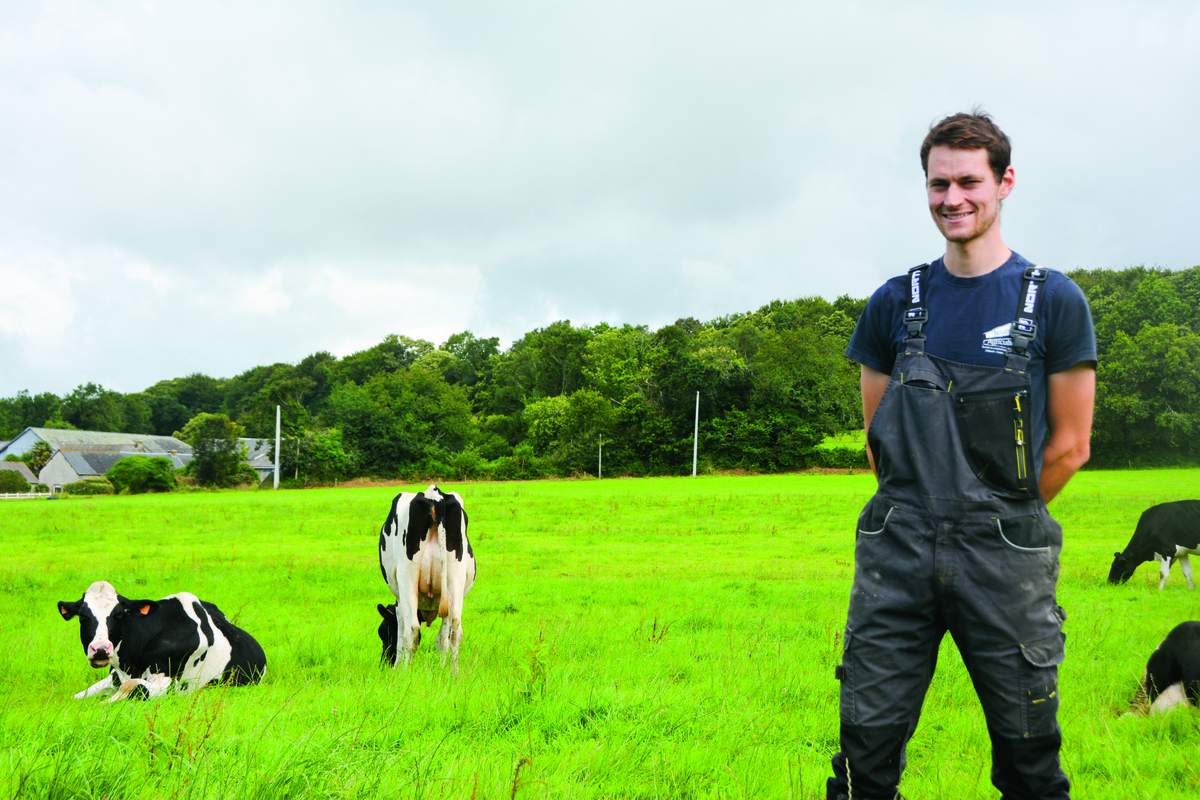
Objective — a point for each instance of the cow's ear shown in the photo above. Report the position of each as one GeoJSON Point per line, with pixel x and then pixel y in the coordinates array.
{"type": "Point", "coordinates": [68, 610]}
{"type": "Point", "coordinates": [386, 611]}
{"type": "Point", "coordinates": [142, 608]}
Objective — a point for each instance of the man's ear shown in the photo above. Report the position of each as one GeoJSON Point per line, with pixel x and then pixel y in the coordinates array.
{"type": "Point", "coordinates": [1007, 182]}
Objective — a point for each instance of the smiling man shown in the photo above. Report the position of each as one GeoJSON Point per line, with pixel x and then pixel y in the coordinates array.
{"type": "Point", "coordinates": [978, 378]}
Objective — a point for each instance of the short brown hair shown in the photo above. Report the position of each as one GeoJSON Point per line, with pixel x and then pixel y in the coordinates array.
{"type": "Point", "coordinates": [974, 131]}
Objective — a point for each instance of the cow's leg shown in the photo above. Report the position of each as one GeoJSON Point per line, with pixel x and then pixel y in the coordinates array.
{"type": "Point", "coordinates": [143, 688]}
{"type": "Point", "coordinates": [443, 637]}
{"type": "Point", "coordinates": [408, 624]}
{"type": "Point", "coordinates": [456, 637]}
{"type": "Point", "coordinates": [1186, 566]}
{"type": "Point", "coordinates": [102, 686]}
{"type": "Point", "coordinates": [1164, 569]}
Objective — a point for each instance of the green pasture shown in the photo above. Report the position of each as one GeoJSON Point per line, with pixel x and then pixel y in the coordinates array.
{"type": "Point", "coordinates": [669, 637]}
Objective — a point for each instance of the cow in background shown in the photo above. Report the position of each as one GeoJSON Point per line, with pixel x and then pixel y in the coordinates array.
{"type": "Point", "coordinates": [427, 561]}
{"type": "Point", "coordinates": [151, 645]}
{"type": "Point", "coordinates": [1173, 672]}
{"type": "Point", "coordinates": [1165, 533]}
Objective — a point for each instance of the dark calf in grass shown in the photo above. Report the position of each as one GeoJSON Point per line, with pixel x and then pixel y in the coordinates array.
{"type": "Point", "coordinates": [1173, 672]}
{"type": "Point", "coordinates": [1165, 533]}
{"type": "Point", "coordinates": [151, 646]}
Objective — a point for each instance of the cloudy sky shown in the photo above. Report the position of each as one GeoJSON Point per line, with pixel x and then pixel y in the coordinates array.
{"type": "Point", "coordinates": [209, 186]}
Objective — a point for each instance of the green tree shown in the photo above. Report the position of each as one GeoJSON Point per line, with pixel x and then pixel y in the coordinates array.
{"type": "Point", "coordinates": [1148, 398]}
{"type": "Point", "coordinates": [38, 456]}
{"type": "Point", "coordinates": [138, 475]}
{"type": "Point", "coordinates": [216, 452]}
{"type": "Point", "coordinates": [91, 407]}
{"type": "Point", "coordinates": [11, 482]}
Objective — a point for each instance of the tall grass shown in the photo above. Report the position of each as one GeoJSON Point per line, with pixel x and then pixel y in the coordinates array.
{"type": "Point", "coordinates": [625, 638]}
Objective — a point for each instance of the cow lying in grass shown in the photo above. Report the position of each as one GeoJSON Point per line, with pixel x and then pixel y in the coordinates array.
{"type": "Point", "coordinates": [1172, 675]}
{"type": "Point", "coordinates": [1165, 533]}
{"type": "Point", "coordinates": [429, 565]}
{"type": "Point", "coordinates": [150, 646]}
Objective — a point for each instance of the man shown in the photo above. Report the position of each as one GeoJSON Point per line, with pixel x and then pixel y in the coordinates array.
{"type": "Point", "coordinates": [978, 378]}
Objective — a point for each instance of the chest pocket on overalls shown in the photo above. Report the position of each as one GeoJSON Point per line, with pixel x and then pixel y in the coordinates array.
{"type": "Point", "coordinates": [995, 428]}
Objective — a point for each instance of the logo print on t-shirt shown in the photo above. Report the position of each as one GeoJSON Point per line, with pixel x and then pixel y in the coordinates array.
{"type": "Point", "coordinates": [998, 339]}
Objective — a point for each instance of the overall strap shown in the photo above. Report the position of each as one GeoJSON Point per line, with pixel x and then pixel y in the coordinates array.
{"type": "Point", "coordinates": [1024, 327]}
{"type": "Point", "coordinates": [915, 316]}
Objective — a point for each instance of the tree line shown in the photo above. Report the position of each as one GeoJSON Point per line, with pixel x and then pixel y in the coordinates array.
{"type": "Point", "coordinates": [773, 384]}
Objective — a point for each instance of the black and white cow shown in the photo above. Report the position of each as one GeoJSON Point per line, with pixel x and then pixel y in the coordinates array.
{"type": "Point", "coordinates": [429, 565]}
{"type": "Point", "coordinates": [1173, 672]}
{"type": "Point", "coordinates": [150, 646]}
{"type": "Point", "coordinates": [1165, 533]}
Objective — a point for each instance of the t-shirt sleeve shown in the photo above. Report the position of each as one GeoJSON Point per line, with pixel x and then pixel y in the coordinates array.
{"type": "Point", "coordinates": [1070, 337]}
{"type": "Point", "coordinates": [872, 343]}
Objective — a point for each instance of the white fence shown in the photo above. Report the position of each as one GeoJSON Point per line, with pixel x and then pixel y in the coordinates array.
{"type": "Point", "coordinates": [23, 495]}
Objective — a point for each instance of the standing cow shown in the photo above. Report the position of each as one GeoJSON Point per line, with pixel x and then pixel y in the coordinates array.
{"type": "Point", "coordinates": [429, 565]}
{"type": "Point", "coordinates": [1165, 533]}
{"type": "Point", "coordinates": [151, 645]}
{"type": "Point", "coordinates": [1173, 671]}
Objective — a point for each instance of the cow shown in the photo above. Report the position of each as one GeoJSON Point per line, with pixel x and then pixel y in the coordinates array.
{"type": "Point", "coordinates": [1165, 533]}
{"type": "Point", "coordinates": [1173, 672]}
{"type": "Point", "coordinates": [429, 565]}
{"type": "Point", "coordinates": [150, 646]}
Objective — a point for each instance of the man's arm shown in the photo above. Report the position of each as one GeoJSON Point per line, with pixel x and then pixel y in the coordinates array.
{"type": "Point", "coordinates": [1071, 395]}
{"type": "Point", "coordinates": [873, 384]}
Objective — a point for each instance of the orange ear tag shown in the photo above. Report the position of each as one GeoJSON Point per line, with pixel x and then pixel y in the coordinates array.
{"type": "Point", "coordinates": [144, 610]}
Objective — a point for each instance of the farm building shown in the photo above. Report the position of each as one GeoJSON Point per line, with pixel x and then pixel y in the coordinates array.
{"type": "Point", "coordinates": [81, 440]}
{"type": "Point", "coordinates": [74, 462]}
{"type": "Point", "coordinates": [258, 455]}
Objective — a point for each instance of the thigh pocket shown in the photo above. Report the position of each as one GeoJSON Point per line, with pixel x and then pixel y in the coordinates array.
{"type": "Point", "coordinates": [874, 517]}
{"type": "Point", "coordinates": [1025, 534]}
{"type": "Point", "coordinates": [1039, 683]}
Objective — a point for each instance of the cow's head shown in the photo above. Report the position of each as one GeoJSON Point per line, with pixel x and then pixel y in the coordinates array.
{"type": "Point", "coordinates": [1122, 569]}
{"type": "Point", "coordinates": [103, 615]}
{"type": "Point", "coordinates": [389, 633]}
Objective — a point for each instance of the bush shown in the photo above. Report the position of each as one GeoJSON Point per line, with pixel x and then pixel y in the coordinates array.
{"type": "Point", "coordinates": [11, 481]}
{"type": "Point", "coordinates": [521, 465]}
{"type": "Point", "coordinates": [841, 458]}
{"type": "Point", "coordinates": [138, 475]}
{"type": "Point", "coordinates": [90, 486]}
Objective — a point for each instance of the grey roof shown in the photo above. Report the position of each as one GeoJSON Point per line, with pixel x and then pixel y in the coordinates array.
{"type": "Point", "coordinates": [20, 468]}
{"type": "Point", "coordinates": [88, 464]}
{"type": "Point", "coordinates": [257, 447]}
{"type": "Point", "coordinates": [77, 440]}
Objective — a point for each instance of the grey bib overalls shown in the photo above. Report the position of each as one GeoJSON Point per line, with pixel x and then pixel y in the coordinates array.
{"type": "Point", "coordinates": [956, 539]}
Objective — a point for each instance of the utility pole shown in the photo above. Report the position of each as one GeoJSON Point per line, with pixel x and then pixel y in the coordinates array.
{"type": "Point", "coordinates": [600, 459]}
{"type": "Point", "coordinates": [276, 447]}
{"type": "Point", "coordinates": [696, 436]}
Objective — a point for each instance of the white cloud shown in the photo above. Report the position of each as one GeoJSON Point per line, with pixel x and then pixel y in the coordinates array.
{"type": "Point", "coordinates": [260, 181]}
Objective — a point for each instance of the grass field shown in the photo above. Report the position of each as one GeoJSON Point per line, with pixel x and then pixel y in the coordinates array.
{"type": "Point", "coordinates": [625, 638]}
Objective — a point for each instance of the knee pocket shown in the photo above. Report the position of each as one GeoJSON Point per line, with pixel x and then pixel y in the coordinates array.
{"type": "Point", "coordinates": [1039, 683]}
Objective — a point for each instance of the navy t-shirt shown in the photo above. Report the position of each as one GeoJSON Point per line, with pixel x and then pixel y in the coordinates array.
{"type": "Point", "coordinates": [970, 320]}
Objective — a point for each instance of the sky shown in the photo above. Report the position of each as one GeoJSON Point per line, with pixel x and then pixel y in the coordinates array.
{"type": "Point", "coordinates": [212, 186]}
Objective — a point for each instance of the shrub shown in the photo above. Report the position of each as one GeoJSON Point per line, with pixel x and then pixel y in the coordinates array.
{"type": "Point", "coordinates": [138, 475]}
{"type": "Point", "coordinates": [521, 465]}
{"type": "Point", "coordinates": [89, 486]}
{"type": "Point", "coordinates": [11, 481]}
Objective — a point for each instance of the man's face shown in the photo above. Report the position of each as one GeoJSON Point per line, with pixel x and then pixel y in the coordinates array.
{"type": "Point", "coordinates": [964, 196]}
